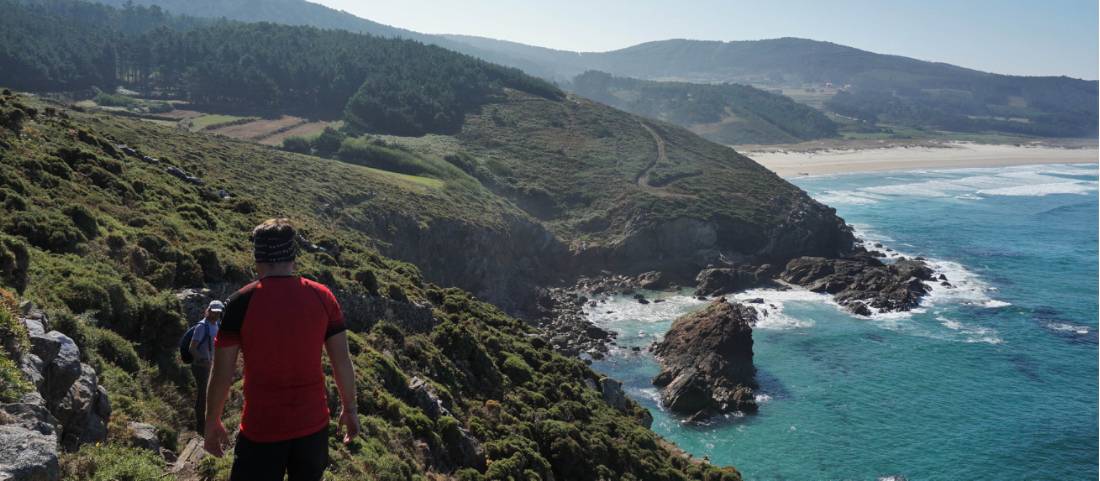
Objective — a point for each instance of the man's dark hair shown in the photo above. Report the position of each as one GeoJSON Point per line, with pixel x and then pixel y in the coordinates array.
{"type": "Point", "coordinates": [274, 241]}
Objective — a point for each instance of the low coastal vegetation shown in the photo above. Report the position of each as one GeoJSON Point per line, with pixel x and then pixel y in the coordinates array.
{"type": "Point", "coordinates": [97, 231]}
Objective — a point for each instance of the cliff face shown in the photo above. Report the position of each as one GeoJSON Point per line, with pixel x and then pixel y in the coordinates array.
{"type": "Point", "coordinates": [706, 361]}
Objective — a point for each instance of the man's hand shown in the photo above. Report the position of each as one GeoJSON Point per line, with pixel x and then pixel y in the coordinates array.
{"type": "Point", "coordinates": [349, 420]}
{"type": "Point", "coordinates": [216, 438]}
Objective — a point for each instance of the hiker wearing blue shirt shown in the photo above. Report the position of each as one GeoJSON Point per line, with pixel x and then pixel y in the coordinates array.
{"type": "Point", "coordinates": [202, 351]}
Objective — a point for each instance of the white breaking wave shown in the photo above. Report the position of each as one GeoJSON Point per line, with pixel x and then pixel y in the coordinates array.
{"type": "Point", "coordinates": [971, 333]}
{"type": "Point", "coordinates": [966, 286]}
{"type": "Point", "coordinates": [1065, 327]}
{"type": "Point", "coordinates": [976, 184]}
{"type": "Point", "coordinates": [770, 313]}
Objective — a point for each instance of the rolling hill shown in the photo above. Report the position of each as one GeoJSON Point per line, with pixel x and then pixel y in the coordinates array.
{"type": "Point", "coordinates": [869, 87]}
{"type": "Point", "coordinates": [724, 113]}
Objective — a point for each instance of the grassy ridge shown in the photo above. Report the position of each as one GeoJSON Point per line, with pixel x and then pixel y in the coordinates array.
{"type": "Point", "coordinates": [103, 239]}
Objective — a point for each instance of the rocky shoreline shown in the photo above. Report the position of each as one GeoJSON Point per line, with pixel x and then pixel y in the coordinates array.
{"type": "Point", "coordinates": [872, 279]}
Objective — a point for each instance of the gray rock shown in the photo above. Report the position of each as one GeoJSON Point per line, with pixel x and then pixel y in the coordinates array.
{"type": "Point", "coordinates": [77, 412]}
{"type": "Point", "coordinates": [144, 436]}
{"type": "Point", "coordinates": [44, 346]}
{"type": "Point", "coordinates": [64, 368]}
{"type": "Point", "coordinates": [35, 327]}
{"type": "Point", "coordinates": [612, 392]}
{"type": "Point", "coordinates": [102, 403]}
{"type": "Point", "coordinates": [194, 303]}
{"type": "Point", "coordinates": [646, 419]}
{"type": "Point", "coordinates": [464, 449]}
{"type": "Point", "coordinates": [28, 455]}
{"type": "Point", "coordinates": [426, 398]}
{"type": "Point", "coordinates": [33, 367]}
{"type": "Point", "coordinates": [853, 280]}
{"type": "Point", "coordinates": [31, 413]}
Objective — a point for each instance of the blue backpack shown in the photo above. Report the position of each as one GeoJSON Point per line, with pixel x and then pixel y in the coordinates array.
{"type": "Point", "coordinates": [185, 341]}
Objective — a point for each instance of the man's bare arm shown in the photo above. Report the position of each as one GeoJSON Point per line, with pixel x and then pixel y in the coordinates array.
{"type": "Point", "coordinates": [221, 379]}
{"type": "Point", "coordinates": [344, 374]}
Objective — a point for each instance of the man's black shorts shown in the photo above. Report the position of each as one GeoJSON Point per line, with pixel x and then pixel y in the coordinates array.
{"type": "Point", "coordinates": [300, 459]}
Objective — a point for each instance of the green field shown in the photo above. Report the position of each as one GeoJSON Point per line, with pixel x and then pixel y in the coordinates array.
{"type": "Point", "coordinates": [213, 121]}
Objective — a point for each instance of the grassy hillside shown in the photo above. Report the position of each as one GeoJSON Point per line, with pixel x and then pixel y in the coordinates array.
{"type": "Point", "coordinates": [724, 113]}
{"type": "Point", "coordinates": [583, 187]}
{"type": "Point", "coordinates": [103, 238]}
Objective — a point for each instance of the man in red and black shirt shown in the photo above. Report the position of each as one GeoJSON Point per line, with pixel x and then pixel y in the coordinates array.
{"type": "Point", "coordinates": [280, 323]}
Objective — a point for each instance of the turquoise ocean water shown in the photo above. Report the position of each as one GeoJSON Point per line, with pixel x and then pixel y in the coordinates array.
{"type": "Point", "coordinates": [994, 379]}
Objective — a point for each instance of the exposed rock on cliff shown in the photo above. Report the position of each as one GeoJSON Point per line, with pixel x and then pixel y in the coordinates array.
{"type": "Point", "coordinates": [67, 409]}
{"type": "Point", "coordinates": [862, 282]}
{"type": "Point", "coordinates": [706, 361]}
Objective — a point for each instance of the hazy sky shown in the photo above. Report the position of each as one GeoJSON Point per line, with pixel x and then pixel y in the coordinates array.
{"type": "Point", "coordinates": [1023, 37]}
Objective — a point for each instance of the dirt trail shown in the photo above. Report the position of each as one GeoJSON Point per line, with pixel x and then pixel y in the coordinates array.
{"type": "Point", "coordinates": [643, 177]}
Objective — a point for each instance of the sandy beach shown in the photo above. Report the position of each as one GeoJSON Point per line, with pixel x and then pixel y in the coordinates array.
{"type": "Point", "coordinates": [943, 156]}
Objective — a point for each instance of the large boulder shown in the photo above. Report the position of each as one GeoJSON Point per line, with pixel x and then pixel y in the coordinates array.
{"type": "Point", "coordinates": [79, 411]}
{"type": "Point", "coordinates": [725, 280]}
{"type": "Point", "coordinates": [63, 366]}
{"type": "Point", "coordinates": [27, 455]}
{"type": "Point", "coordinates": [706, 361]}
{"type": "Point", "coordinates": [863, 281]}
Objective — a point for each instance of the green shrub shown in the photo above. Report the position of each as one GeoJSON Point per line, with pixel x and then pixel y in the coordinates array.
{"type": "Point", "coordinates": [46, 230]}
{"type": "Point", "coordinates": [396, 293]}
{"type": "Point", "coordinates": [12, 382]}
{"type": "Point", "coordinates": [296, 144]}
{"type": "Point", "coordinates": [84, 220]}
{"type": "Point", "coordinates": [207, 259]}
{"type": "Point", "coordinates": [364, 151]}
{"type": "Point", "coordinates": [516, 369]}
{"type": "Point", "coordinates": [12, 201]}
{"type": "Point", "coordinates": [160, 107]}
{"type": "Point", "coordinates": [328, 143]}
{"type": "Point", "coordinates": [113, 462]}
{"type": "Point", "coordinates": [15, 261]}
{"type": "Point", "coordinates": [368, 280]}
{"type": "Point", "coordinates": [113, 348]}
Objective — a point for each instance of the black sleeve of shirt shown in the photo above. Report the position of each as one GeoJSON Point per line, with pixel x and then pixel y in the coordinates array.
{"type": "Point", "coordinates": [332, 331]}
{"type": "Point", "coordinates": [235, 309]}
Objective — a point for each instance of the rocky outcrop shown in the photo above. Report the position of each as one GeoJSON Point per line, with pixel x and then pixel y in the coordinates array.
{"type": "Point", "coordinates": [67, 409]}
{"type": "Point", "coordinates": [566, 328]}
{"type": "Point", "coordinates": [706, 361]}
{"type": "Point", "coordinates": [863, 282]}
{"type": "Point", "coordinates": [714, 281]}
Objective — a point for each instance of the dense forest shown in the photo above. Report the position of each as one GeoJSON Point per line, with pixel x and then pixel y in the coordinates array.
{"type": "Point", "coordinates": [739, 113]}
{"type": "Point", "coordinates": [1057, 113]}
{"type": "Point", "coordinates": [394, 86]}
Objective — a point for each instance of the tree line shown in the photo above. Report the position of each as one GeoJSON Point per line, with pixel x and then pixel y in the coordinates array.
{"type": "Point", "coordinates": [377, 84]}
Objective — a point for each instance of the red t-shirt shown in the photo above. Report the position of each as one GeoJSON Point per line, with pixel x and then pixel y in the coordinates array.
{"type": "Point", "coordinates": [281, 324]}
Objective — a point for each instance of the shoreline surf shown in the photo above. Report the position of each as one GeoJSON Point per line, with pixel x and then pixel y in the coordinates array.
{"type": "Point", "coordinates": [789, 164]}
